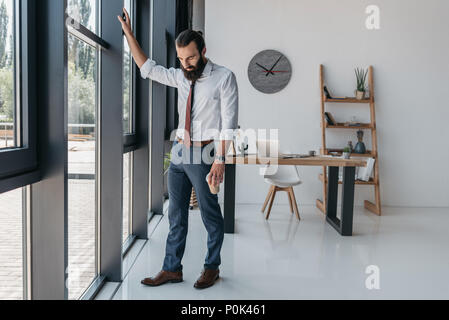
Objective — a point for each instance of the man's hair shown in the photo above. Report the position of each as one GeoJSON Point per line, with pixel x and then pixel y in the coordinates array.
{"type": "Point", "coordinates": [187, 36]}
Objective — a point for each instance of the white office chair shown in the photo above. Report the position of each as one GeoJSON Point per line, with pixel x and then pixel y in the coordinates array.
{"type": "Point", "coordinates": [285, 178]}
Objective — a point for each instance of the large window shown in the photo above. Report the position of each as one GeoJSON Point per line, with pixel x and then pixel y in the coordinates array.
{"type": "Point", "coordinates": [8, 105]}
{"type": "Point", "coordinates": [17, 108]}
{"type": "Point", "coordinates": [127, 196]}
{"type": "Point", "coordinates": [128, 127]}
{"type": "Point", "coordinates": [84, 12]}
{"type": "Point", "coordinates": [82, 154]}
{"type": "Point", "coordinates": [129, 70]}
{"type": "Point", "coordinates": [127, 79]}
{"type": "Point", "coordinates": [75, 76]}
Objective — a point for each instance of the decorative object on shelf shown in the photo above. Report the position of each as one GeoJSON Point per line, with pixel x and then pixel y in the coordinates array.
{"type": "Point", "coordinates": [347, 153]}
{"type": "Point", "coordinates": [361, 75]}
{"type": "Point", "coordinates": [358, 124]}
{"type": "Point", "coordinates": [312, 153]}
{"type": "Point", "coordinates": [360, 147]}
{"type": "Point", "coordinates": [353, 122]}
{"type": "Point", "coordinates": [269, 71]}
{"type": "Point", "coordinates": [350, 146]}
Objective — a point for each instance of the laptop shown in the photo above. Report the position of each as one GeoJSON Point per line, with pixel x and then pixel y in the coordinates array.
{"type": "Point", "coordinates": [294, 156]}
{"type": "Point", "coordinates": [270, 148]}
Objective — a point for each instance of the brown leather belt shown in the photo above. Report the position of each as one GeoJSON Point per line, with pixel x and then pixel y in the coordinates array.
{"type": "Point", "coordinates": [197, 143]}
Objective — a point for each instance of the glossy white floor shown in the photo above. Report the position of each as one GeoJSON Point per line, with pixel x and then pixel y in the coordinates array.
{"type": "Point", "coordinates": [286, 259]}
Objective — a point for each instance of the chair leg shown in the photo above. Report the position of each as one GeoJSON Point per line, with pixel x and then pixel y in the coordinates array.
{"type": "Point", "coordinates": [290, 201]}
{"type": "Point", "coordinates": [270, 192]}
{"type": "Point", "coordinates": [271, 202]}
{"type": "Point", "coordinates": [292, 195]}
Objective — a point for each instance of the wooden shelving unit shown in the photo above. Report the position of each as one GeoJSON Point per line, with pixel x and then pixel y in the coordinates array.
{"type": "Point", "coordinates": [345, 126]}
{"type": "Point", "coordinates": [373, 207]}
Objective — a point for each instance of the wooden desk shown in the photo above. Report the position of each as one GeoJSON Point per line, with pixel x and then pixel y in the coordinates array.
{"type": "Point", "coordinates": [343, 226]}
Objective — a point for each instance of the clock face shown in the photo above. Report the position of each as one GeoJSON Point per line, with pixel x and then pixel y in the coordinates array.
{"type": "Point", "coordinates": [269, 71]}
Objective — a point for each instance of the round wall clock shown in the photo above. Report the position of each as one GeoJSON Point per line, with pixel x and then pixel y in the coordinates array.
{"type": "Point", "coordinates": [269, 71]}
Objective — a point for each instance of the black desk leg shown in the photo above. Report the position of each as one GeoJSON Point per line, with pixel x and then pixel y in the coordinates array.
{"type": "Point", "coordinates": [347, 205]}
{"type": "Point", "coordinates": [229, 198]}
{"type": "Point", "coordinates": [332, 193]}
{"type": "Point", "coordinates": [343, 226]}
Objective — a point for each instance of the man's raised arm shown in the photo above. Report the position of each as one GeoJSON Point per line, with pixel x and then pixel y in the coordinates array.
{"type": "Point", "coordinates": [139, 56]}
{"type": "Point", "coordinates": [148, 68]}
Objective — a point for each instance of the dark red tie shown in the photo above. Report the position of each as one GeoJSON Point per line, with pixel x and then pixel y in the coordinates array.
{"type": "Point", "coordinates": [187, 136]}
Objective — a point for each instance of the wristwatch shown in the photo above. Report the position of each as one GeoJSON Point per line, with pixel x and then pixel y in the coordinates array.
{"type": "Point", "coordinates": [220, 159]}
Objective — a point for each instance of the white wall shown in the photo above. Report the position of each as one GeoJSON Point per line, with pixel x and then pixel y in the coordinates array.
{"type": "Point", "coordinates": [410, 56]}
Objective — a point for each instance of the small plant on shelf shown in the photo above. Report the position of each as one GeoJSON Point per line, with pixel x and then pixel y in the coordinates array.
{"type": "Point", "coordinates": [361, 75]}
{"type": "Point", "coordinates": [347, 153]}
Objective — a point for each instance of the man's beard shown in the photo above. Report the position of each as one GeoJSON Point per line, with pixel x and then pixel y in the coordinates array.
{"type": "Point", "coordinates": [196, 73]}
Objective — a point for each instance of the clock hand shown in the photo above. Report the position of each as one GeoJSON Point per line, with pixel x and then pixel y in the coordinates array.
{"type": "Point", "coordinates": [263, 67]}
{"type": "Point", "coordinates": [275, 64]}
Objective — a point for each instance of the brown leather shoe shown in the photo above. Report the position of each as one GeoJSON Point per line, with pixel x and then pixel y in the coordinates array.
{"type": "Point", "coordinates": [207, 279]}
{"type": "Point", "coordinates": [163, 277]}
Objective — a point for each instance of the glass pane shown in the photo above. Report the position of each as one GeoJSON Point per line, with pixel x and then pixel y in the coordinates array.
{"type": "Point", "coordinates": [11, 253]}
{"type": "Point", "coordinates": [85, 12]}
{"type": "Point", "coordinates": [127, 79]}
{"type": "Point", "coordinates": [8, 137]}
{"type": "Point", "coordinates": [82, 142]}
{"type": "Point", "coordinates": [126, 195]}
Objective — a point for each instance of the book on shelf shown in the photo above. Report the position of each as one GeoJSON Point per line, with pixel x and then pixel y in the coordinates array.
{"type": "Point", "coordinates": [328, 95]}
{"type": "Point", "coordinates": [365, 173]}
{"type": "Point", "coordinates": [330, 119]}
{"type": "Point", "coordinates": [361, 173]}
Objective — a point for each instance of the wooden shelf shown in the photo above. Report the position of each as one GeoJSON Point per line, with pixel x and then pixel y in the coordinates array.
{"type": "Point", "coordinates": [373, 207]}
{"type": "Point", "coordinates": [359, 182]}
{"type": "Point", "coordinates": [345, 126]}
{"type": "Point", "coordinates": [348, 100]}
{"type": "Point", "coordinates": [368, 205]}
{"type": "Point", "coordinates": [368, 154]}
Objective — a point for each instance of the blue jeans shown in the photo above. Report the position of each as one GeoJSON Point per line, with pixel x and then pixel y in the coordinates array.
{"type": "Point", "coordinates": [189, 167]}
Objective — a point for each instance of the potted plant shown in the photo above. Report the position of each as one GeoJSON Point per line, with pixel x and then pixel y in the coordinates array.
{"type": "Point", "coordinates": [167, 160]}
{"type": "Point", "coordinates": [361, 75]}
{"type": "Point", "coordinates": [346, 153]}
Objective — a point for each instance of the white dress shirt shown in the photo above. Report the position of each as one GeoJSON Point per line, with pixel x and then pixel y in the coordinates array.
{"type": "Point", "coordinates": [215, 104]}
